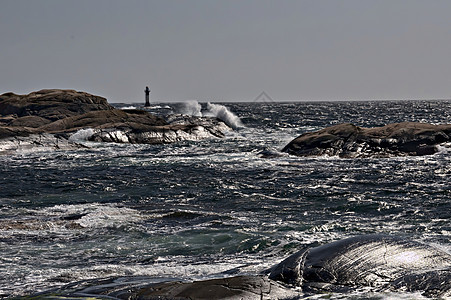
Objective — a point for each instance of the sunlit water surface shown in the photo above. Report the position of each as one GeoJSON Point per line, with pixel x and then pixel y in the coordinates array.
{"type": "Point", "coordinates": [197, 210]}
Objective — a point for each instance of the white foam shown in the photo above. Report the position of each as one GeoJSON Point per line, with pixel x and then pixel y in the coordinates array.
{"type": "Point", "coordinates": [223, 113]}
{"type": "Point", "coordinates": [444, 148]}
{"type": "Point", "coordinates": [101, 216]}
{"type": "Point", "coordinates": [190, 108]}
{"type": "Point", "coordinates": [193, 108]}
{"type": "Point", "coordinates": [82, 135]}
{"type": "Point", "coordinates": [94, 215]}
{"type": "Point", "coordinates": [128, 107]}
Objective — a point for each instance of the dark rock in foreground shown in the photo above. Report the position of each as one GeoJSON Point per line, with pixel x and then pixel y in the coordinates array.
{"type": "Point", "coordinates": [384, 263]}
{"type": "Point", "coordinates": [239, 287]}
{"type": "Point", "coordinates": [350, 141]}
{"type": "Point", "coordinates": [30, 120]}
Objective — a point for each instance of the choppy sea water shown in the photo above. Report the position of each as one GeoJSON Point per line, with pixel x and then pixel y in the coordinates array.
{"type": "Point", "coordinates": [197, 210]}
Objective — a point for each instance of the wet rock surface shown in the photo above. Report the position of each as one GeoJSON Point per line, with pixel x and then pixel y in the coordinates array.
{"type": "Point", "coordinates": [350, 141]}
{"type": "Point", "coordinates": [384, 263]}
{"type": "Point", "coordinates": [31, 141]}
{"type": "Point", "coordinates": [240, 287]}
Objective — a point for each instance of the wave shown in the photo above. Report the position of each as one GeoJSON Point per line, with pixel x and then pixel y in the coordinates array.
{"type": "Point", "coordinates": [444, 148]}
{"type": "Point", "coordinates": [194, 108]}
{"type": "Point", "coordinates": [128, 107]}
{"type": "Point", "coordinates": [190, 108]}
{"type": "Point", "coordinates": [223, 113]}
{"type": "Point", "coordinates": [82, 135]}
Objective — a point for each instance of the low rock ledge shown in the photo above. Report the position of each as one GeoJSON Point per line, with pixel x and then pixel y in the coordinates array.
{"type": "Point", "coordinates": [350, 141]}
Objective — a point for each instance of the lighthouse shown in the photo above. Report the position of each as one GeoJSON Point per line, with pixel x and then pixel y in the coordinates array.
{"type": "Point", "coordinates": [147, 92]}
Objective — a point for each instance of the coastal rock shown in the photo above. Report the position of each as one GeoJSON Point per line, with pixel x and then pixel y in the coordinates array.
{"type": "Point", "coordinates": [216, 127]}
{"type": "Point", "coordinates": [141, 127]}
{"type": "Point", "coordinates": [239, 287]}
{"type": "Point", "coordinates": [156, 135]}
{"type": "Point", "coordinates": [32, 142]}
{"type": "Point", "coordinates": [64, 112]}
{"type": "Point", "coordinates": [50, 104]}
{"type": "Point", "coordinates": [350, 141]}
{"type": "Point", "coordinates": [137, 120]}
{"type": "Point", "coordinates": [384, 263]}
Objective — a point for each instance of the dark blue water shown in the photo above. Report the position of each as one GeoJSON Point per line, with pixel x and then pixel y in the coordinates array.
{"type": "Point", "coordinates": [198, 209]}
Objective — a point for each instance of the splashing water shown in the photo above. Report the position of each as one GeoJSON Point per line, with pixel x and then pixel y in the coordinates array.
{"type": "Point", "coordinates": [194, 108]}
{"type": "Point", "coordinates": [128, 107]}
{"type": "Point", "coordinates": [223, 113]}
{"type": "Point", "coordinates": [218, 207]}
{"type": "Point", "coordinates": [82, 135]}
{"type": "Point", "coordinates": [190, 108]}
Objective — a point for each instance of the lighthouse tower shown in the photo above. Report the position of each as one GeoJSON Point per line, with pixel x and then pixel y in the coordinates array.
{"type": "Point", "coordinates": [147, 92]}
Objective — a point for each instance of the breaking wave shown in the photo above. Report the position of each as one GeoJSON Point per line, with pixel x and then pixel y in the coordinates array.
{"type": "Point", "coordinates": [223, 113]}
{"type": "Point", "coordinates": [82, 135]}
{"type": "Point", "coordinates": [128, 107]}
{"type": "Point", "coordinates": [190, 108]}
{"type": "Point", "coordinates": [194, 108]}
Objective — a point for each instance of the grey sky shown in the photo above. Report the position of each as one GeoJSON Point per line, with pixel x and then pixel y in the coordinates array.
{"type": "Point", "coordinates": [228, 50]}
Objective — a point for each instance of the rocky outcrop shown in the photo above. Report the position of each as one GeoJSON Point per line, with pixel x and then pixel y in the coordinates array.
{"type": "Point", "coordinates": [378, 262]}
{"type": "Point", "coordinates": [350, 141]}
{"type": "Point", "coordinates": [240, 287]}
{"type": "Point", "coordinates": [29, 119]}
{"type": "Point", "coordinates": [33, 142]}
{"type": "Point", "coordinates": [45, 106]}
{"type": "Point", "coordinates": [134, 120]}
{"type": "Point", "coordinates": [384, 262]}
{"type": "Point", "coordinates": [140, 127]}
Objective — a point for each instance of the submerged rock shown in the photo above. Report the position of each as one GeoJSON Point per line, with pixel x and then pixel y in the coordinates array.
{"type": "Point", "coordinates": [31, 119]}
{"type": "Point", "coordinates": [384, 263]}
{"type": "Point", "coordinates": [350, 141]}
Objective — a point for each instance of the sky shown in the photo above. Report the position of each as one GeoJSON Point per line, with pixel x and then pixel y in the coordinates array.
{"type": "Point", "coordinates": [228, 50]}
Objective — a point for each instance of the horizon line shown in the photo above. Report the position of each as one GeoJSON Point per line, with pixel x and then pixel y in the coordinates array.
{"type": "Point", "coordinates": [284, 101]}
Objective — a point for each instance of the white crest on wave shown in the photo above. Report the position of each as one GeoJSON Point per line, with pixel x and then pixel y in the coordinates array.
{"type": "Point", "coordinates": [82, 135]}
{"type": "Point", "coordinates": [190, 108]}
{"type": "Point", "coordinates": [223, 113]}
{"type": "Point", "coordinates": [194, 108]}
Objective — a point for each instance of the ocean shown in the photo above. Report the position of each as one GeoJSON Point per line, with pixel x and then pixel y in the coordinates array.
{"type": "Point", "coordinates": [216, 207]}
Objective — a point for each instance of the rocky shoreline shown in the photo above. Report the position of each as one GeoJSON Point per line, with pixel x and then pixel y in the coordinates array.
{"type": "Point", "coordinates": [376, 261]}
{"type": "Point", "coordinates": [350, 141]}
{"type": "Point", "coordinates": [59, 119]}
{"type": "Point", "coordinates": [51, 117]}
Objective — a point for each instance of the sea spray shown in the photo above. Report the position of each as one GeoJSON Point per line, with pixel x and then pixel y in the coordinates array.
{"type": "Point", "coordinates": [128, 107]}
{"type": "Point", "coordinates": [197, 210]}
{"type": "Point", "coordinates": [189, 108]}
{"type": "Point", "coordinates": [223, 113]}
{"type": "Point", "coordinates": [82, 135]}
{"type": "Point", "coordinates": [194, 108]}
